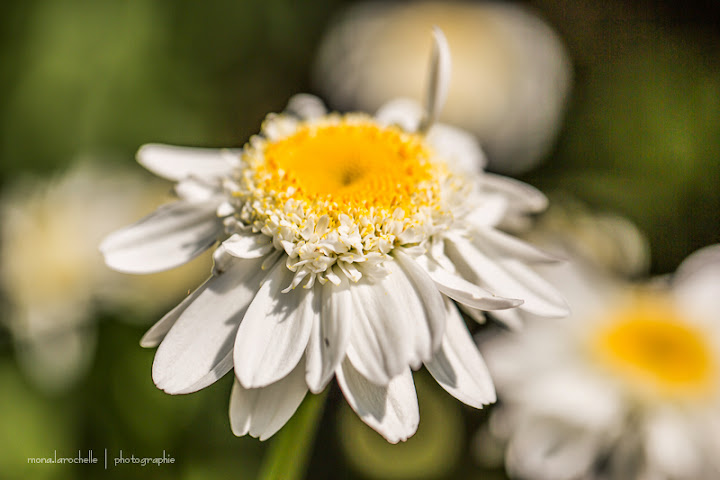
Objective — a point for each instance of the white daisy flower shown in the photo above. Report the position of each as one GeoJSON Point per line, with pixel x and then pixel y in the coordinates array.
{"type": "Point", "coordinates": [627, 387]}
{"type": "Point", "coordinates": [344, 241]}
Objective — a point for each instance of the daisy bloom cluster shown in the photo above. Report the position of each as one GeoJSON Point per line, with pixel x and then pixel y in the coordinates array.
{"type": "Point", "coordinates": [626, 387]}
{"type": "Point", "coordinates": [347, 243]}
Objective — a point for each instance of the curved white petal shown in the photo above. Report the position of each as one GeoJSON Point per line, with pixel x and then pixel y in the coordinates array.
{"type": "Point", "coordinates": [157, 332]}
{"type": "Point", "coordinates": [171, 236]}
{"type": "Point", "coordinates": [404, 112]}
{"type": "Point", "coordinates": [430, 298]}
{"type": "Point", "coordinates": [275, 330]}
{"type": "Point", "coordinates": [465, 292]}
{"type": "Point", "coordinates": [263, 411]}
{"type": "Point", "coordinates": [329, 336]}
{"type": "Point", "coordinates": [512, 247]}
{"type": "Point", "coordinates": [306, 106]}
{"type": "Point", "coordinates": [198, 348]}
{"type": "Point", "coordinates": [178, 163]}
{"type": "Point", "coordinates": [521, 196]}
{"type": "Point", "coordinates": [248, 245]}
{"type": "Point", "coordinates": [506, 277]}
{"type": "Point", "coordinates": [457, 147]}
{"type": "Point", "coordinates": [439, 79]}
{"type": "Point", "coordinates": [669, 445]}
{"type": "Point", "coordinates": [391, 410]}
{"type": "Point", "coordinates": [697, 284]}
{"type": "Point", "coordinates": [458, 367]}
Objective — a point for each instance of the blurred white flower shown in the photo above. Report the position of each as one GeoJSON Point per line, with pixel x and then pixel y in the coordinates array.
{"type": "Point", "coordinates": [511, 71]}
{"type": "Point", "coordinates": [627, 387]}
{"type": "Point", "coordinates": [52, 274]}
{"type": "Point", "coordinates": [381, 220]}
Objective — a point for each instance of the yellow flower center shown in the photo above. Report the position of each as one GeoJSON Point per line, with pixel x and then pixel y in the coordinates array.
{"type": "Point", "coordinates": [648, 344]}
{"type": "Point", "coordinates": [345, 164]}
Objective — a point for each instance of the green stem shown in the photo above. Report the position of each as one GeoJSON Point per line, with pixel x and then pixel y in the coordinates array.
{"type": "Point", "coordinates": [290, 451]}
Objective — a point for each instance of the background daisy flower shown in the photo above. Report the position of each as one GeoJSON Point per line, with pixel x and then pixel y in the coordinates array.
{"type": "Point", "coordinates": [627, 386]}
{"type": "Point", "coordinates": [345, 241]}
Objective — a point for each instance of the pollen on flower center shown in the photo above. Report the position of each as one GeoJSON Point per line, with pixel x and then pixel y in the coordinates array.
{"type": "Point", "coordinates": [349, 162]}
{"type": "Point", "coordinates": [650, 345]}
{"type": "Point", "coordinates": [340, 190]}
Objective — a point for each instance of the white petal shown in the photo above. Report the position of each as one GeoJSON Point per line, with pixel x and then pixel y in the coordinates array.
{"type": "Point", "coordinates": [465, 292]}
{"type": "Point", "coordinates": [430, 297]}
{"type": "Point", "coordinates": [306, 106]}
{"type": "Point", "coordinates": [457, 147]}
{"type": "Point", "coordinates": [248, 245]}
{"type": "Point", "coordinates": [195, 190]}
{"type": "Point", "coordinates": [275, 330]}
{"type": "Point", "coordinates": [330, 335]}
{"type": "Point", "coordinates": [522, 197]}
{"type": "Point", "coordinates": [697, 284]}
{"type": "Point", "coordinates": [403, 112]}
{"type": "Point", "coordinates": [551, 450]}
{"type": "Point", "coordinates": [379, 346]}
{"type": "Point", "coordinates": [391, 410]}
{"type": "Point", "coordinates": [512, 247]}
{"type": "Point", "coordinates": [263, 411]}
{"type": "Point", "coordinates": [198, 349]}
{"type": "Point", "coordinates": [506, 277]}
{"type": "Point", "coordinates": [439, 81]}
{"type": "Point", "coordinates": [177, 163]}
{"type": "Point", "coordinates": [669, 445]}
{"type": "Point", "coordinates": [171, 236]}
{"type": "Point", "coordinates": [458, 367]}
{"type": "Point", "coordinates": [157, 332]}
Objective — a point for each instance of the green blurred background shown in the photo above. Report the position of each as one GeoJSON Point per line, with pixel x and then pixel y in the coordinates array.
{"type": "Point", "coordinates": [77, 77]}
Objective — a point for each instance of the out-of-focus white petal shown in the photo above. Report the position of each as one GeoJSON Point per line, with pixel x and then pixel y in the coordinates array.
{"type": "Point", "coordinates": [696, 284]}
{"type": "Point", "coordinates": [523, 198]}
{"type": "Point", "coordinates": [275, 330]}
{"type": "Point", "coordinates": [669, 446]}
{"type": "Point", "coordinates": [456, 147]}
{"type": "Point", "coordinates": [391, 410]}
{"type": "Point", "coordinates": [329, 336]}
{"type": "Point", "coordinates": [198, 348]}
{"type": "Point", "coordinates": [171, 236]}
{"type": "Point", "coordinates": [506, 277]}
{"type": "Point", "coordinates": [263, 411]}
{"type": "Point", "coordinates": [305, 106]}
{"type": "Point", "coordinates": [404, 112]}
{"type": "Point", "coordinates": [550, 451]}
{"type": "Point", "coordinates": [248, 245]}
{"type": "Point", "coordinates": [458, 367]}
{"type": "Point", "coordinates": [178, 163]}
{"type": "Point", "coordinates": [439, 79]}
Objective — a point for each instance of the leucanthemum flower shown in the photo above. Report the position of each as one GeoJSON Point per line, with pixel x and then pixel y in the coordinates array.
{"type": "Point", "coordinates": [345, 239]}
{"type": "Point", "coordinates": [626, 387]}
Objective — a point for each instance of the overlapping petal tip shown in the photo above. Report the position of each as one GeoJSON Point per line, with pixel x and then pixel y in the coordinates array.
{"type": "Point", "coordinates": [305, 106]}
{"type": "Point", "coordinates": [248, 245]}
{"type": "Point", "coordinates": [506, 276]}
{"type": "Point", "coordinates": [522, 197]}
{"type": "Point", "coordinates": [198, 348]}
{"type": "Point", "coordinates": [458, 367]}
{"type": "Point", "coordinates": [439, 79]}
{"type": "Point", "coordinates": [275, 330]}
{"type": "Point", "coordinates": [457, 147]}
{"type": "Point", "coordinates": [178, 163]}
{"type": "Point", "coordinates": [261, 412]}
{"type": "Point", "coordinates": [391, 410]}
{"type": "Point", "coordinates": [172, 235]}
{"type": "Point", "coordinates": [329, 336]}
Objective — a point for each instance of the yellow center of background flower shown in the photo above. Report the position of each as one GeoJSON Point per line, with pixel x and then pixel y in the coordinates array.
{"type": "Point", "coordinates": [649, 345]}
{"type": "Point", "coordinates": [347, 165]}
